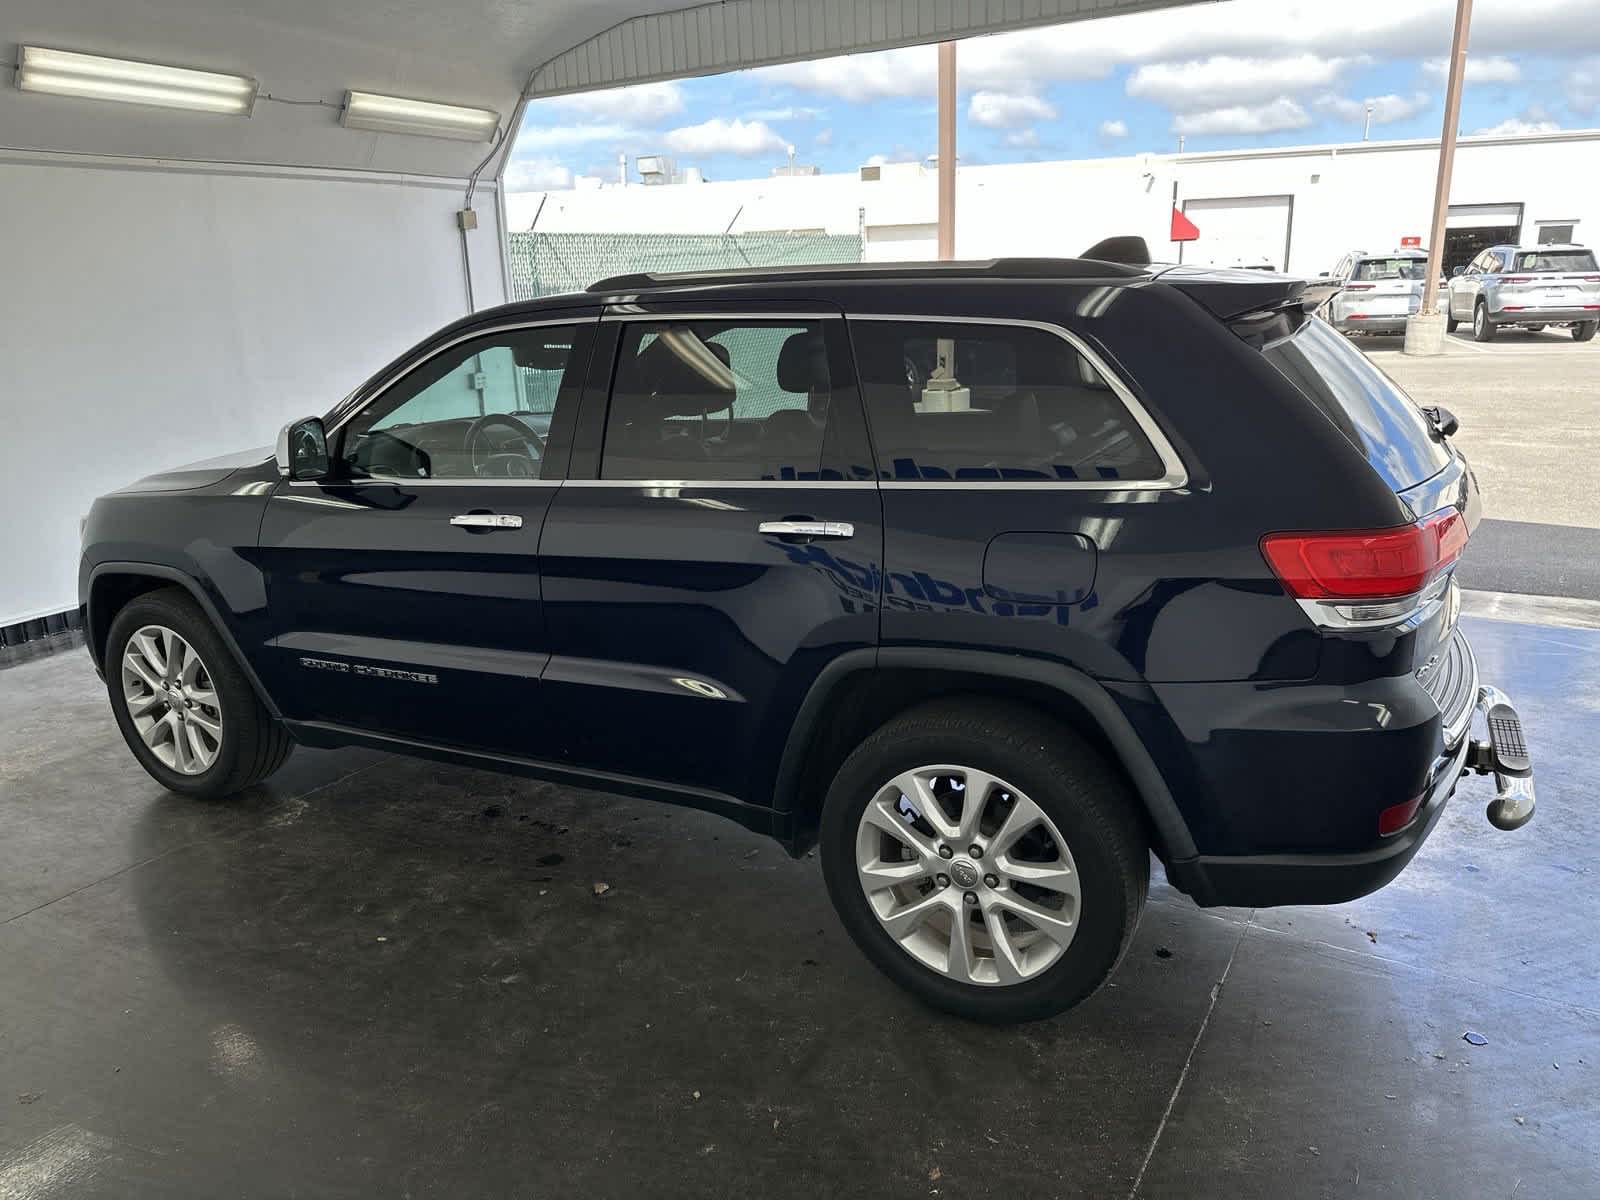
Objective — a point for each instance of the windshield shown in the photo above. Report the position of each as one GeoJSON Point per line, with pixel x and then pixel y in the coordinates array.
{"type": "Point", "coordinates": [1368, 407]}
{"type": "Point", "coordinates": [1391, 268]}
{"type": "Point", "coordinates": [1555, 260]}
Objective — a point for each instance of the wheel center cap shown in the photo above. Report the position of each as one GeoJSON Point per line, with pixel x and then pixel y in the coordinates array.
{"type": "Point", "coordinates": [964, 873]}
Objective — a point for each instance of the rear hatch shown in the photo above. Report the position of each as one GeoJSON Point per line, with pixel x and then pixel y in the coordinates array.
{"type": "Point", "coordinates": [1383, 287]}
{"type": "Point", "coordinates": [1564, 278]}
{"type": "Point", "coordinates": [1357, 582]}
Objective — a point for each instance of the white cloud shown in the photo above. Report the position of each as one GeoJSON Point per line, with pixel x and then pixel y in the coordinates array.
{"type": "Point", "coordinates": [1223, 81]}
{"type": "Point", "coordinates": [719, 136]}
{"type": "Point", "coordinates": [1532, 120]}
{"type": "Point", "coordinates": [1386, 109]}
{"type": "Point", "coordinates": [1006, 110]}
{"type": "Point", "coordinates": [548, 137]}
{"type": "Point", "coordinates": [876, 160]}
{"type": "Point", "coordinates": [1583, 86]}
{"type": "Point", "coordinates": [789, 112]}
{"type": "Point", "coordinates": [1110, 130]}
{"type": "Point", "coordinates": [646, 102]}
{"type": "Point", "coordinates": [1282, 113]}
{"type": "Point", "coordinates": [537, 175]}
{"type": "Point", "coordinates": [824, 137]}
{"type": "Point", "coordinates": [1265, 30]}
{"type": "Point", "coordinates": [1022, 138]}
{"type": "Point", "coordinates": [1493, 68]}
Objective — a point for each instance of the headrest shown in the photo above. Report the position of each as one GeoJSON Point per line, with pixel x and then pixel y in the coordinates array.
{"type": "Point", "coordinates": [683, 375]}
{"type": "Point", "coordinates": [802, 362]}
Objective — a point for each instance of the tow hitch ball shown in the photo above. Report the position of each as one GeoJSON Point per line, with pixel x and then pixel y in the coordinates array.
{"type": "Point", "coordinates": [1505, 756]}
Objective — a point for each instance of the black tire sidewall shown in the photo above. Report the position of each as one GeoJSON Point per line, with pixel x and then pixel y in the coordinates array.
{"type": "Point", "coordinates": [1107, 914]}
{"type": "Point", "coordinates": [235, 698]}
{"type": "Point", "coordinates": [1584, 331]}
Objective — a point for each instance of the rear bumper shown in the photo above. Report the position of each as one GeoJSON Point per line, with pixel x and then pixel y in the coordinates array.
{"type": "Point", "coordinates": [1390, 324]}
{"type": "Point", "coordinates": [1542, 316]}
{"type": "Point", "coordinates": [1261, 881]}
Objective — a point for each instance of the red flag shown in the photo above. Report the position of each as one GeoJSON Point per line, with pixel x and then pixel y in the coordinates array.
{"type": "Point", "coordinates": [1183, 229]}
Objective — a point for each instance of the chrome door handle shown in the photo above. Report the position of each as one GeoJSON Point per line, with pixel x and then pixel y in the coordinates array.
{"type": "Point", "coordinates": [816, 529]}
{"type": "Point", "coordinates": [488, 520]}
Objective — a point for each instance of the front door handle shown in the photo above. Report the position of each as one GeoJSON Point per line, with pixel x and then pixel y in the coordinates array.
{"type": "Point", "coordinates": [812, 529]}
{"type": "Point", "coordinates": [488, 520]}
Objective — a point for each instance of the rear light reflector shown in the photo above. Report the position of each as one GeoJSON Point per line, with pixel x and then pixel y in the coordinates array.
{"type": "Point", "coordinates": [1359, 287]}
{"type": "Point", "coordinates": [1356, 317]}
{"type": "Point", "coordinates": [1513, 307]}
{"type": "Point", "coordinates": [1366, 564]}
{"type": "Point", "coordinates": [1397, 816]}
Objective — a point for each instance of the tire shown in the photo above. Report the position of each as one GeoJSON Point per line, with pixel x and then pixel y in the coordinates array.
{"type": "Point", "coordinates": [1583, 331]}
{"type": "Point", "coordinates": [1483, 329]}
{"type": "Point", "coordinates": [1450, 322]}
{"type": "Point", "coordinates": [251, 745]}
{"type": "Point", "coordinates": [1080, 798]}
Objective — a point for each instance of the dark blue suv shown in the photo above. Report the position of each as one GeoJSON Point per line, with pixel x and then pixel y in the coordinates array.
{"type": "Point", "coordinates": [986, 579]}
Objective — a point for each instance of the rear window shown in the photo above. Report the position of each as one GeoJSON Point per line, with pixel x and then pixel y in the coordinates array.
{"type": "Point", "coordinates": [1390, 268]}
{"type": "Point", "coordinates": [1554, 260]}
{"type": "Point", "coordinates": [1368, 407]}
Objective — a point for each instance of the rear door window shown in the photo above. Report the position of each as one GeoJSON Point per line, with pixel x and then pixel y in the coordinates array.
{"type": "Point", "coordinates": [973, 402]}
{"type": "Point", "coordinates": [1368, 407]}
{"type": "Point", "coordinates": [734, 399]}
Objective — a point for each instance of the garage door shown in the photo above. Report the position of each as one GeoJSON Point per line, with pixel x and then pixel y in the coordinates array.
{"type": "Point", "coordinates": [1240, 231]}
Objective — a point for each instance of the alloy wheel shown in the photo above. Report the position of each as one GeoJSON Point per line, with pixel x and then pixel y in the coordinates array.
{"type": "Point", "coordinates": [171, 700]}
{"type": "Point", "coordinates": [968, 875]}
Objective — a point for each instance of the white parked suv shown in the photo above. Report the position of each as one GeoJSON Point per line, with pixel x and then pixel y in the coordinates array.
{"type": "Point", "coordinates": [1377, 291]}
{"type": "Point", "coordinates": [1527, 287]}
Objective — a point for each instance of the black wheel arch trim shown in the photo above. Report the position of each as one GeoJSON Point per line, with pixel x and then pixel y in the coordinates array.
{"type": "Point", "coordinates": [197, 593]}
{"type": "Point", "coordinates": [1175, 844]}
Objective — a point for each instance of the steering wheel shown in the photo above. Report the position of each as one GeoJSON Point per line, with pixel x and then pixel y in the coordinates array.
{"type": "Point", "coordinates": [533, 444]}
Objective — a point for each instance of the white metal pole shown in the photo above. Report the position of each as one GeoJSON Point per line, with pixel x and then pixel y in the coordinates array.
{"type": "Point", "coordinates": [947, 150]}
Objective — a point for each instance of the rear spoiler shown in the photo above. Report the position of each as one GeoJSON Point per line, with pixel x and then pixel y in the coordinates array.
{"type": "Point", "coordinates": [1259, 308]}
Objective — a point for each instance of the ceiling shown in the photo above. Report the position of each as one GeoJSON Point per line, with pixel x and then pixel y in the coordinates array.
{"type": "Point", "coordinates": [477, 52]}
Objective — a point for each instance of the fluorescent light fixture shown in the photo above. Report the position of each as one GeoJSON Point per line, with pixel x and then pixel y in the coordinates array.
{"type": "Point", "coordinates": [396, 114]}
{"type": "Point", "coordinates": [94, 77]}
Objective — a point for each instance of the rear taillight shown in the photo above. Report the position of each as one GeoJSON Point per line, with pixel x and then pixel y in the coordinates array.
{"type": "Point", "coordinates": [1359, 287]}
{"type": "Point", "coordinates": [1366, 565]}
{"type": "Point", "coordinates": [1516, 279]}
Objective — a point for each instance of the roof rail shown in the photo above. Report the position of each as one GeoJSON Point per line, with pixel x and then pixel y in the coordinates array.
{"type": "Point", "coordinates": [1003, 268]}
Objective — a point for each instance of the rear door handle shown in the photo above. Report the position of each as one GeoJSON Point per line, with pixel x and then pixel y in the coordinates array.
{"type": "Point", "coordinates": [488, 520]}
{"type": "Point", "coordinates": [815, 529]}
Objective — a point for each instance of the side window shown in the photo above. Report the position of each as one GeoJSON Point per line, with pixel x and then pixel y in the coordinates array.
{"type": "Point", "coordinates": [993, 402]}
{"type": "Point", "coordinates": [479, 410]}
{"type": "Point", "coordinates": [736, 400]}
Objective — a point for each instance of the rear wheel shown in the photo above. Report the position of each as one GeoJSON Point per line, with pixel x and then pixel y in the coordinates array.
{"type": "Point", "coordinates": [183, 704]}
{"type": "Point", "coordinates": [1483, 329]}
{"type": "Point", "coordinates": [1584, 330]}
{"type": "Point", "coordinates": [1450, 322]}
{"type": "Point", "coordinates": [985, 858]}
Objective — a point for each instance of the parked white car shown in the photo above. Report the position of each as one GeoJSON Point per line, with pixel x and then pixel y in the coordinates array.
{"type": "Point", "coordinates": [1527, 287]}
{"type": "Point", "coordinates": [1378, 291]}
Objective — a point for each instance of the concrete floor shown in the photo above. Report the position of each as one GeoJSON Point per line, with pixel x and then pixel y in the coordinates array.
{"type": "Point", "coordinates": [378, 977]}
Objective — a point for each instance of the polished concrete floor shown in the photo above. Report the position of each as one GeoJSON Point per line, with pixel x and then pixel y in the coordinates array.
{"type": "Point", "coordinates": [376, 977]}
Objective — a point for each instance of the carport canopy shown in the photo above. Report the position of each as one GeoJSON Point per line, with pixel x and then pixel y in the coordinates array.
{"type": "Point", "coordinates": [493, 54]}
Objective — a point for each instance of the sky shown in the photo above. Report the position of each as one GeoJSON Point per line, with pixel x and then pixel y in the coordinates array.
{"type": "Point", "coordinates": [1233, 75]}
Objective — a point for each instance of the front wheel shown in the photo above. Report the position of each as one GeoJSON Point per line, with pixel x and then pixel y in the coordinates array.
{"type": "Point", "coordinates": [985, 858]}
{"type": "Point", "coordinates": [1483, 329]}
{"type": "Point", "coordinates": [183, 704]}
{"type": "Point", "coordinates": [1583, 331]}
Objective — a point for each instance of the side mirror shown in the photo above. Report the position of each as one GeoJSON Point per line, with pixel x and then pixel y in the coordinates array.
{"type": "Point", "coordinates": [1443, 419]}
{"type": "Point", "coordinates": [1454, 271]}
{"type": "Point", "coordinates": [303, 449]}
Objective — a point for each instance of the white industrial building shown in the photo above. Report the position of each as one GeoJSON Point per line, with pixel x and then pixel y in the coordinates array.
{"type": "Point", "coordinates": [1296, 208]}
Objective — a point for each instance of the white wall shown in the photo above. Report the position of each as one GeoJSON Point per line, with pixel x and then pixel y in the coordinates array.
{"type": "Point", "coordinates": [156, 314]}
{"type": "Point", "coordinates": [1354, 196]}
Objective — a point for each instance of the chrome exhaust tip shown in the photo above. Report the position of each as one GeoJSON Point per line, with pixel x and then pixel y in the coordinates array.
{"type": "Point", "coordinates": [1512, 806]}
